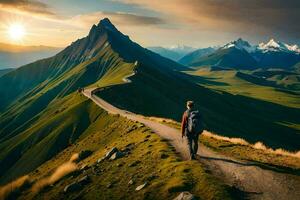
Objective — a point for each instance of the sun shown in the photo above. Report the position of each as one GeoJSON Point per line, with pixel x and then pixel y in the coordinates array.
{"type": "Point", "coordinates": [16, 31]}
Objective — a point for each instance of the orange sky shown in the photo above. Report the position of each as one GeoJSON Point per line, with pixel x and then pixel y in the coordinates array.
{"type": "Point", "coordinates": [197, 23]}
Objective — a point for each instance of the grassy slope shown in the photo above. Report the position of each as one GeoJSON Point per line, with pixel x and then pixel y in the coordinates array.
{"type": "Point", "coordinates": [227, 81]}
{"type": "Point", "coordinates": [35, 129]}
{"type": "Point", "coordinates": [86, 73]}
{"type": "Point", "coordinates": [152, 93]}
{"type": "Point", "coordinates": [157, 164]}
{"type": "Point", "coordinates": [47, 136]}
{"type": "Point", "coordinates": [231, 57]}
{"type": "Point", "coordinates": [5, 71]}
{"type": "Point", "coordinates": [259, 157]}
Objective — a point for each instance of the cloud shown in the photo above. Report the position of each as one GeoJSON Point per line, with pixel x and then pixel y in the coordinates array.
{"type": "Point", "coordinates": [27, 7]}
{"type": "Point", "coordinates": [265, 16]}
{"type": "Point", "coordinates": [119, 18]}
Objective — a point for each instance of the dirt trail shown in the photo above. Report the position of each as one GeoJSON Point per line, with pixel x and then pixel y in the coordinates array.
{"type": "Point", "coordinates": [252, 181]}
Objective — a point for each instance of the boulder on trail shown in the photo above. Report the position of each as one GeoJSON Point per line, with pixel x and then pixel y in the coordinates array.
{"type": "Point", "coordinates": [138, 188]}
{"type": "Point", "coordinates": [185, 196]}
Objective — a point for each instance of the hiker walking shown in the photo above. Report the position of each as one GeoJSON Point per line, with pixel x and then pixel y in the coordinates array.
{"type": "Point", "coordinates": [192, 126]}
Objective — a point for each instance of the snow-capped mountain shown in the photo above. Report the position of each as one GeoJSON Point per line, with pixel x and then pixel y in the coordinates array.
{"type": "Point", "coordinates": [240, 54]}
{"type": "Point", "coordinates": [240, 44]}
{"type": "Point", "coordinates": [273, 45]}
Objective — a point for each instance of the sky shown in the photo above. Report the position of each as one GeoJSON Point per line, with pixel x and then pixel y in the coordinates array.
{"type": "Point", "coordinates": [196, 23]}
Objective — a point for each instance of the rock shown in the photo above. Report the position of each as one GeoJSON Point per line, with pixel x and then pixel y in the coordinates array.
{"type": "Point", "coordinates": [76, 186]}
{"type": "Point", "coordinates": [119, 164]}
{"type": "Point", "coordinates": [111, 152]}
{"type": "Point", "coordinates": [109, 185]}
{"type": "Point", "coordinates": [135, 163]}
{"type": "Point", "coordinates": [131, 182]}
{"type": "Point", "coordinates": [185, 196]}
{"type": "Point", "coordinates": [72, 187]}
{"type": "Point", "coordinates": [138, 188]}
{"type": "Point", "coordinates": [116, 155]}
{"type": "Point", "coordinates": [100, 160]}
{"type": "Point", "coordinates": [84, 180]}
{"type": "Point", "coordinates": [84, 167]}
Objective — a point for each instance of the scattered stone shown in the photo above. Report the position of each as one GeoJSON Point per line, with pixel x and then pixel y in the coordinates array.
{"type": "Point", "coordinates": [77, 185]}
{"type": "Point", "coordinates": [138, 188]}
{"type": "Point", "coordinates": [100, 160]}
{"type": "Point", "coordinates": [119, 164]}
{"type": "Point", "coordinates": [84, 167]}
{"type": "Point", "coordinates": [109, 185]}
{"type": "Point", "coordinates": [116, 155]}
{"type": "Point", "coordinates": [84, 180]}
{"type": "Point", "coordinates": [72, 187]}
{"type": "Point", "coordinates": [185, 196]}
{"type": "Point", "coordinates": [147, 136]}
{"type": "Point", "coordinates": [131, 182]}
{"type": "Point", "coordinates": [135, 163]}
{"type": "Point", "coordinates": [146, 140]}
{"type": "Point", "coordinates": [111, 152]}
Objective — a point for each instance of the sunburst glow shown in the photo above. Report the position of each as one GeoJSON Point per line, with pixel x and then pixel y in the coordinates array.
{"type": "Point", "coordinates": [16, 31]}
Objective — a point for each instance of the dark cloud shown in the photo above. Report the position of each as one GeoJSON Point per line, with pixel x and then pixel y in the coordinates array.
{"type": "Point", "coordinates": [133, 19]}
{"type": "Point", "coordinates": [275, 15]}
{"type": "Point", "coordinates": [30, 6]}
{"type": "Point", "coordinates": [260, 16]}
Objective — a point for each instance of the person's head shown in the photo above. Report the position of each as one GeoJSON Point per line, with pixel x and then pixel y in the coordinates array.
{"type": "Point", "coordinates": [189, 104]}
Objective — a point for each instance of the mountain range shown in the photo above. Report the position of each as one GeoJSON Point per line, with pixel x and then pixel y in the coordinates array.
{"type": "Point", "coordinates": [239, 54]}
{"type": "Point", "coordinates": [41, 113]}
{"type": "Point", "coordinates": [175, 52]}
{"type": "Point", "coordinates": [13, 56]}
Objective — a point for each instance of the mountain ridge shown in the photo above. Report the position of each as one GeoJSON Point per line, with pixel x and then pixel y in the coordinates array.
{"type": "Point", "coordinates": [240, 54]}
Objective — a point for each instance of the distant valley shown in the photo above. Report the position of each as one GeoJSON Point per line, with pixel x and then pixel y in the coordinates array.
{"type": "Point", "coordinates": [12, 56]}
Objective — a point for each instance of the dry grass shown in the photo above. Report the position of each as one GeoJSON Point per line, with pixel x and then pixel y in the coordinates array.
{"type": "Point", "coordinates": [258, 145]}
{"type": "Point", "coordinates": [12, 187]}
{"type": "Point", "coordinates": [63, 170]}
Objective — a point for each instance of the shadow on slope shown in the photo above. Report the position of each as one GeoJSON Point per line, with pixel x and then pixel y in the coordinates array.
{"type": "Point", "coordinates": [164, 95]}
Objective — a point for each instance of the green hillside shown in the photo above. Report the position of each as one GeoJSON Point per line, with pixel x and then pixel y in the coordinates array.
{"type": "Point", "coordinates": [225, 113]}
{"type": "Point", "coordinates": [228, 58]}
{"type": "Point", "coordinates": [265, 88]}
{"type": "Point", "coordinates": [150, 159]}
{"type": "Point", "coordinates": [5, 71]}
{"type": "Point", "coordinates": [32, 93]}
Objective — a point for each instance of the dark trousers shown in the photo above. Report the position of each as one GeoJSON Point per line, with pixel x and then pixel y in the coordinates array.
{"type": "Point", "coordinates": [193, 144]}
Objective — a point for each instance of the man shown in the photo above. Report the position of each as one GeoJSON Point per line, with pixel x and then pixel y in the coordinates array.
{"type": "Point", "coordinates": [191, 127]}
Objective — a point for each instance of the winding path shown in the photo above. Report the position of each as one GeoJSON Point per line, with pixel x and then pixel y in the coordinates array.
{"type": "Point", "coordinates": [251, 181]}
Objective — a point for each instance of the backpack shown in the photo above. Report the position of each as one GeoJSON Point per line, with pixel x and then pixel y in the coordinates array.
{"type": "Point", "coordinates": [195, 123]}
